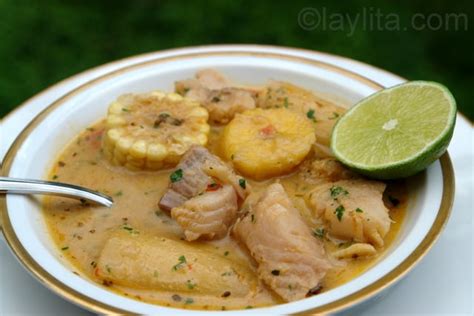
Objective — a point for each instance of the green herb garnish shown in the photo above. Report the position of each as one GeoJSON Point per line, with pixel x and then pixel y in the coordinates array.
{"type": "Point", "coordinates": [359, 210]}
{"type": "Point", "coordinates": [242, 183]}
{"type": "Point", "coordinates": [131, 230]}
{"type": "Point", "coordinates": [190, 284]}
{"type": "Point", "coordinates": [276, 272]}
{"type": "Point", "coordinates": [176, 176]}
{"type": "Point", "coordinates": [336, 191]}
{"type": "Point", "coordinates": [119, 193]}
{"type": "Point", "coordinates": [65, 248]}
{"type": "Point", "coordinates": [339, 212]}
{"type": "Point", "coordinates": [188, 300]}
{"type": "Point", "coordinates": [285, 102]}
{"type": "Point", "coordinates": [310, 115]}
{"type": "Point", "coordinates": [319, 232]}
{"type": "Point", "coordinates": [180, 264]}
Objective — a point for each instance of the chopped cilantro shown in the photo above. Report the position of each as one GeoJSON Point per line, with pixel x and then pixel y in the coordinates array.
{"type": "Point", "coordinates": [359, 210]}
{"type": "Point", "coordinates": [319, 232]}
{"type": "Point", "coordinates": [119, 193]}
{"type": "Point", "coordinates": [131, 230]}
{"type": "Point", "coordinates": [334, 116]}
{"type": "Point", "coordinates": [180, 264]}
{"type": "Point", "coordinates": [242, 183]}
{"type": "Point", "coordinates": [337, 191]}
{"type": "Point", "coordinates": [65, 248]}
{"type": "Point", "coordinates": [189, 300]}
{"type": "Point", "coordinates": [310, 115]}
{"type": "Point", "coordinates": [339, 212]}
{"type": "Point", "coordinates": [276, 272]}
{"type": "Point", "coordinates": [190, 284]}
{"type": "Point", "coordinates": [55, 177]}
{"type": "Point", "coordinates": [176, 176]}
{"type": "Point", "coordinates": [226, 253]}
{"type": "Point", "coordinates": [125, 110]}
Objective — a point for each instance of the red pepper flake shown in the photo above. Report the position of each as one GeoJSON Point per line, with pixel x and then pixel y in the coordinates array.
{"type": "Point", "coordinates": [213, 186]}
{"type": "Point", "coordinates": [268, 131]}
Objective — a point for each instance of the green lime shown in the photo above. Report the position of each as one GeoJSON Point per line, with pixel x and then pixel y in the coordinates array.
{"type": "Point", "coordinates": [396, 132]}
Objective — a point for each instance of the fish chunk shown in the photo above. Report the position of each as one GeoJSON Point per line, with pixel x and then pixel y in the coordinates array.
{"type": "Point", "coordinates": [208, 215]}
{"type": "Point", "coordinates": [218, 95]}
{"type": "Point", "coordinates": [156, 263]}
{"type": "Point", "coordinates": [323, 113]}
{"type": "Point", "coordinates": [325, 170]}
{"type": "Point", "coordinates": [353, 209]}
{"type": "Point", "coordinates": [290, 260]}
{"type": "Point", "coordinates": [199, 168]}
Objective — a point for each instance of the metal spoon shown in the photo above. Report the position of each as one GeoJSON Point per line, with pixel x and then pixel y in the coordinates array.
{"type": "Point", "coordinates": [27, 186]}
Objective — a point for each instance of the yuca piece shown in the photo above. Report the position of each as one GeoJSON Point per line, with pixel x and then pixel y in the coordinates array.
{"type": "Point", "coordinates": [150, 262]}
{"type": "Point", "coordinates": [265, 143]}
{"type": "Point", "coordinates": [153, 130]}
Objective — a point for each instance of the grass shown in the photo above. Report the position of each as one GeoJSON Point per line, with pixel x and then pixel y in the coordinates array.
{"type": "Point", "coordinates": [44, 42]}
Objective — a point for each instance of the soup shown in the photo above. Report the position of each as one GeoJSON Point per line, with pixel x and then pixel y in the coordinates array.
{"type": "Point", "coordinates": [223, 222]}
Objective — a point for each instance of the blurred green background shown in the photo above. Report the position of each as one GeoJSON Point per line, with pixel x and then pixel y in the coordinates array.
{"type": "Point", "coordinates": [42, 42]}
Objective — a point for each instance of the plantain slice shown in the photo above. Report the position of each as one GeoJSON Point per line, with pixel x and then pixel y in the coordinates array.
{"type": "Point", "coordinates": [264, 143]}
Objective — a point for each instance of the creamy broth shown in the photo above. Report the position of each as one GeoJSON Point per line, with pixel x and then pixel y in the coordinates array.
{"type": "Point", "coordinates": [80, 230]}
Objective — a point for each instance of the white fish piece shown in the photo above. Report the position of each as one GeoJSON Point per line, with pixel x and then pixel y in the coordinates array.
{"type": "Point", "coordinates": [353, 210]}
{"type": "Point", "coordinates": [290, 260]}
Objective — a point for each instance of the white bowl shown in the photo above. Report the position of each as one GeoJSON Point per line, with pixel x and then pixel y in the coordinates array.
{"type": "Point", "coordinates": [430, 193]}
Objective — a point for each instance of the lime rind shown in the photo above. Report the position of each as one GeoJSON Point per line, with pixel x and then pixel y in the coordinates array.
{"type": "Point", "coordinates": [414, 163]}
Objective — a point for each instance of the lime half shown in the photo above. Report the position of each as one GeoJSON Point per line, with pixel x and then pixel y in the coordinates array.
{"type": "Point", "coordinates": [396, 132]}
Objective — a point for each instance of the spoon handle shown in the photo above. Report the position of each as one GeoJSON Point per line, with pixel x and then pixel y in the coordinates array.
{"type": "Point", "coordinates": [27, 186]}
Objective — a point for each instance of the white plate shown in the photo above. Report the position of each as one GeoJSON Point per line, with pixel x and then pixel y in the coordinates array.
{"type": "Point", "coordinates": [389, 80]}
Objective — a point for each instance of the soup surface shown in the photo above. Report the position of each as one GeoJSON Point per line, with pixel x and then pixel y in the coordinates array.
{"type": "Point", "coordinates": [137, 249]}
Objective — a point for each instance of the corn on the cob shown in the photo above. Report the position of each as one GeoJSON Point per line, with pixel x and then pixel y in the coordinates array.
{"type": "Point", "coordinates": [265, 143]}
{"type": "Point", "coordinates": [153, 130]}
